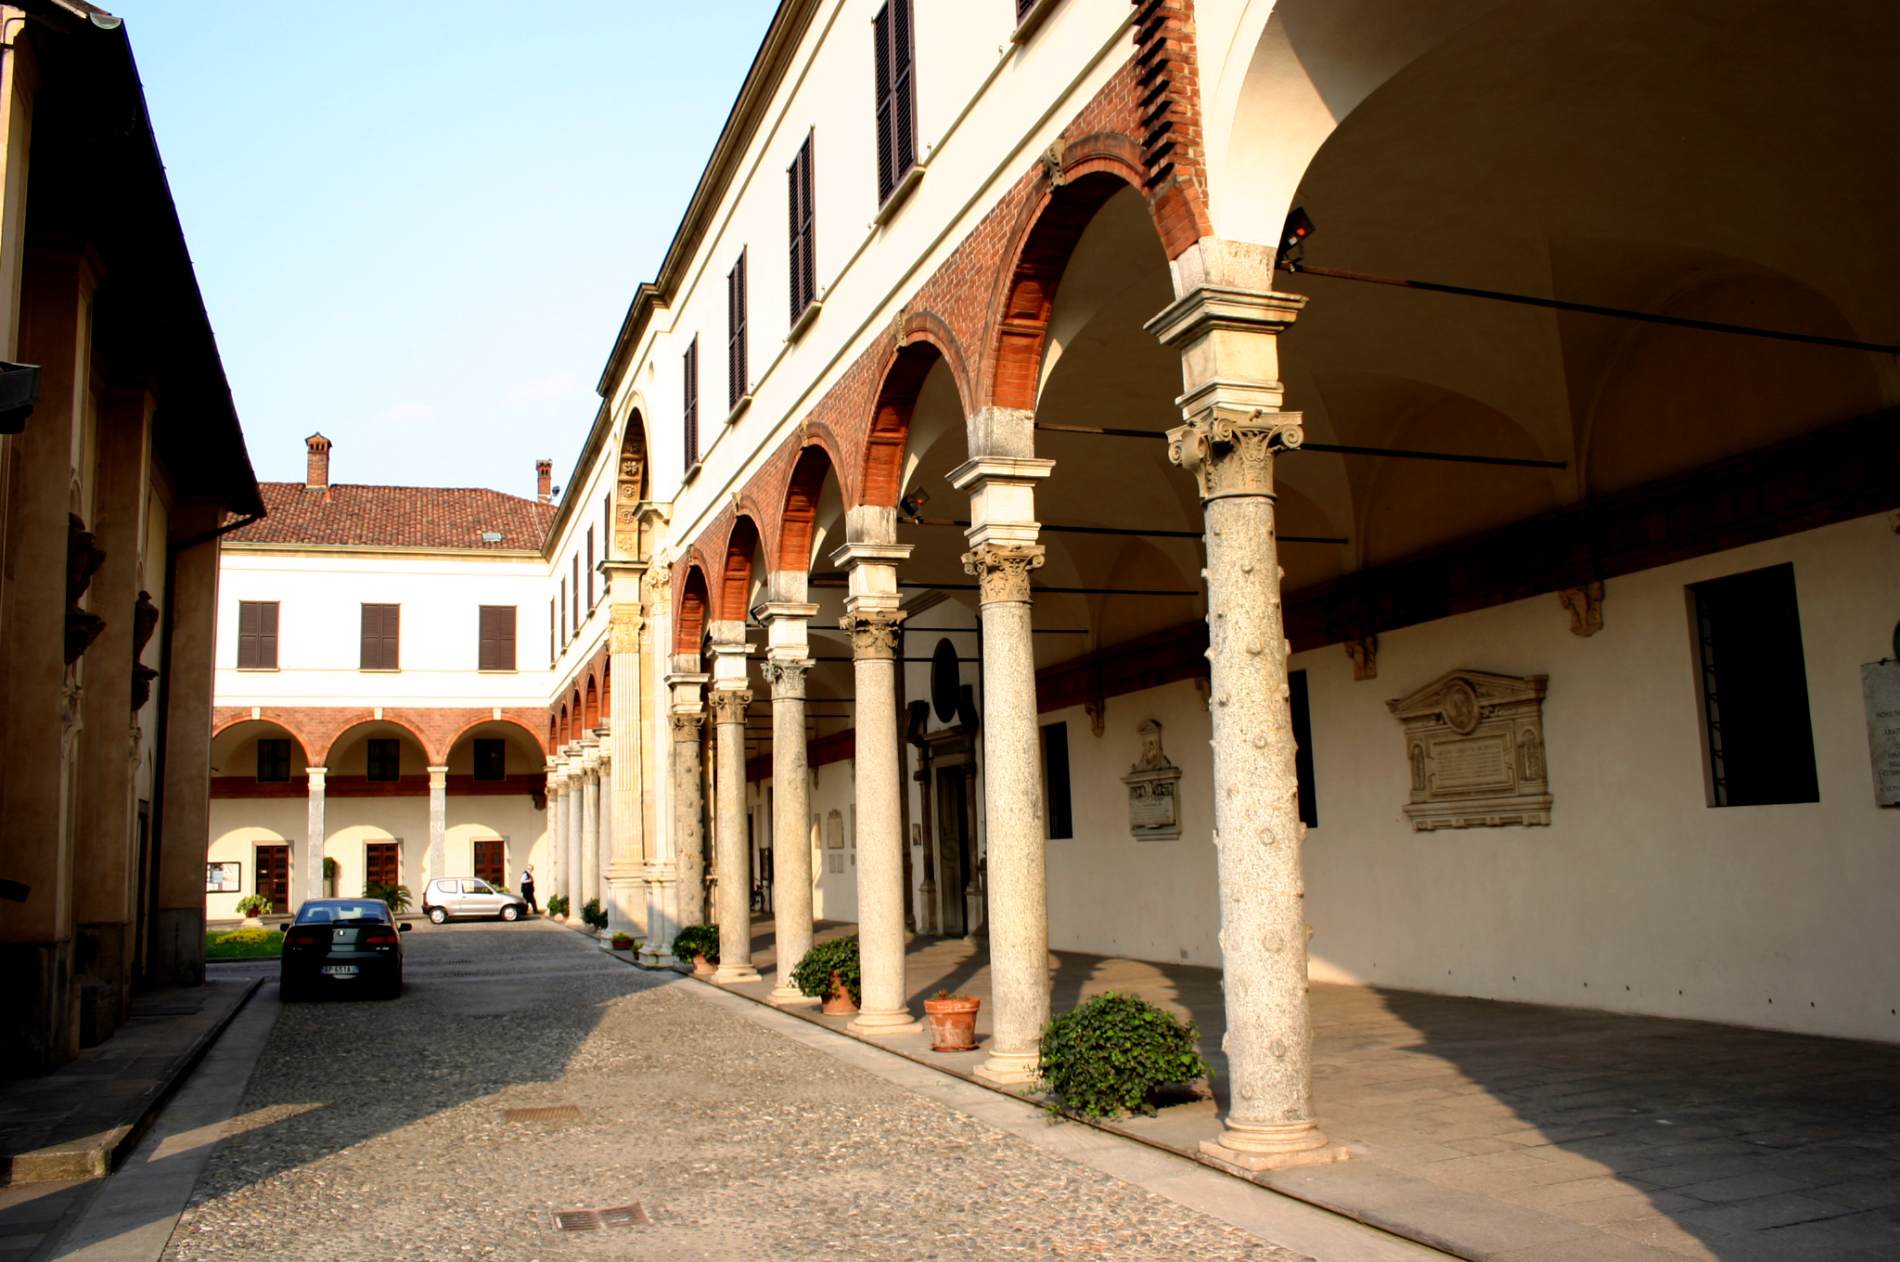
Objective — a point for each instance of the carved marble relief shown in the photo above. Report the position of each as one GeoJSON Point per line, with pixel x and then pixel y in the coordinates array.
{"type": "Point", "coordinates": [1474, 744]}
{"type": "Point", "coordinates": [1154, 784]}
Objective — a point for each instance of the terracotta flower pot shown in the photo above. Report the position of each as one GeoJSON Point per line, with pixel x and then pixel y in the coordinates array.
{"type": "Point", "coordinates": [952, 1024]}
{"type": "Point", "coordinates": [840, 1003]}
{"type": "Point", "coordinates": [701, 968]}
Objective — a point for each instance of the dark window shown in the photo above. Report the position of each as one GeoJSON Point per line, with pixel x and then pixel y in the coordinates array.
{"type": "Point", "coordinates": [574, 563]}
{"type": "Point", "coordinates": [497, 637]}
{"type": "Point", "coordinates": [690, 411]}
{"type": "Point", "coordinates": [273, 760]}
{"type": "Point", "coordinates": [382, 864]}
{"type": "Point", "coordinates": [381, 626]}
{"type": "Point", "coordinates": [257, 635]}
{"type": "Point", "coordinates": [491, 759]}
{"type": "Point", "coordinates": [553, 641]}
{"type": "Point", "coordinates": [563, 613]}
{"type": "Point", "coordinates": [1303, 747]}
{"type": "Point", "coordinates": [735, 334]}
{"type": "Point", "coordinates": [1055, 779]}
{"type": "Point", "coordinates": [590, 569]}
{"type": "Point", "coordinates": [896, 96]}
{"type": "Point", "coordinates": [488, 862]}
{"type": "Point", "coordinates": [804, 286]}
{"type": "Point", "coordinates": [1755, 690]}
{"type": "Point", "coordinates": [385, 758]}
{"type": "Point", "coordinates": [1023, 7]}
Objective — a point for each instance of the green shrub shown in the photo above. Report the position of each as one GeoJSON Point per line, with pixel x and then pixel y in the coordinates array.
{"type": "Point", "coordinates": [250, 937]}
{"type": "Point", "coordinates": [1111, 1053]}
{"type": "Point", "coordinates": [593, 916]}
{"type": "Point", "coordinates": [329, 869]}
{"type": "Point", "coordinates": [254, 905]}
{"type": "Point", "coordinates": [700, 940]}
{"type": "Point", "coordinates": [397, 896]}
{"type": "Point", "coordinates": [557, 905]}
{"type": "Point", "coordinates": [840, 956]}
{"type": "Point", "coordinates": [244, 944]}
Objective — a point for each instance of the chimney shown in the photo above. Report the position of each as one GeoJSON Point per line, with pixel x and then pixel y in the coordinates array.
{"type": "Point", "coordinates": [544, 481]}
{"type": "Point", "coordinates": [316, 463]}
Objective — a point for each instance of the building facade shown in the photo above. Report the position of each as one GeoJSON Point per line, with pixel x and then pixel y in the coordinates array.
{"type": "Point", "coordinates": [116, 482]}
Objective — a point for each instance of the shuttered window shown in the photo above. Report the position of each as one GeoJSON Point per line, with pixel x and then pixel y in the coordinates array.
{"type": "Point", "coordinates": [497, 637]}
{"type": "Point", "coordinates": [257, 635]}
{"type": "Point", "coordinates": [590, 568]}
{"type": "Point", "coordinates": [381, 625]}
{"type": "Point", "coordinates": [804, 278]}
{"type": "Point", "coordinates": [735, 334]}
{"type": "Point", "coordinates": [563, 613]}
{"type": "Point", "coordinates": [896, 96]}
{"type": "Point", "coordinates": [553, 642]}
{"type": "Point", "coordinates": [574, 563]}
{"type": "Point", "coordinates": [690, 397]}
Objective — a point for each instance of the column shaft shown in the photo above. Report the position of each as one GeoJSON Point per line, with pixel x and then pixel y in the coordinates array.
{"type": "Point", "coordinates": [437, 856]}
{"type": "Point", "coordinates": [735, 861]}
{"type": "Point", "coordinates": [880, 825]}
{"type": "Point", "coordinates": [590, 835]}
{"type": "Point", "coordinates": [791, 807]}
{"type": "Point", "coordinates": [571, 843]}
{"type": "Point", "coordinates": [554, 851]}
{"type": "Point", "coordinates": [689, 828]}
{"type": "Point", "coordinates": [313, 836]}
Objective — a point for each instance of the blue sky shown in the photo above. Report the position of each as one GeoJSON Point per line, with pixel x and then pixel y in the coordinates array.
{"type": "Point", "coordinates": [418, 225]}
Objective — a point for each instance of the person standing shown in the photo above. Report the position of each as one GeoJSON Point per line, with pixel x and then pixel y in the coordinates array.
{"type": "Point", "coordinates": [527, 889]}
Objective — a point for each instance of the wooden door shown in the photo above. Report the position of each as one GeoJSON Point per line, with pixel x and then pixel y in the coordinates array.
{"type": "Point", "coordinates": [953, 850]}
{"type": "Point", "coordinates": [382, 863]}
{"type": "Point", "coordinates": [490, 864]}
{"type": "Point", "coordinates": [273, 876]}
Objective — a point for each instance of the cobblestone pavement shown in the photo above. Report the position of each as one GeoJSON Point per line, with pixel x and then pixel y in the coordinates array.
{"type": "Point", "coordinates": [376, 1130]}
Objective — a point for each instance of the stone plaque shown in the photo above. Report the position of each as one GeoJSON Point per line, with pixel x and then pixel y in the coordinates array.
{"type": "Point", "coordinates": [1154, 804]}
{"type": "Point", "coordinates": [1474, 747]}
{"type": "Point", "coordinates": [1880, 686]}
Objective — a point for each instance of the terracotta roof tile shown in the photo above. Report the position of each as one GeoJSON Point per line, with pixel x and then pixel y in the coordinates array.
{"type": "Point", "coordinates": [351, 515]}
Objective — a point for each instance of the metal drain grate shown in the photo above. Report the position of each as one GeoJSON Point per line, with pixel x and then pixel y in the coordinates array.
{"type": "Point", "coordinates": [600, 1219]}
{"type": "Point", "coordinates": [543, 1113]}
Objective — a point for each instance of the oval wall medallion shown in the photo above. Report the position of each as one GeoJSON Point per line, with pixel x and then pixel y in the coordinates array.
{"type": "Point", "coordinates": [944, 678]}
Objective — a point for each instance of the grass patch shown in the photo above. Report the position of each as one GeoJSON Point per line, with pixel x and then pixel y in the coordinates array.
{"type": "Point", "coordinates": [243, 944]}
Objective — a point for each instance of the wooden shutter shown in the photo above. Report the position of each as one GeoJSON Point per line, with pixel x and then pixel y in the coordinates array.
{"type": "Point", "coordinates": [804, 285]}
{"type": "Point", "coordinates": [735, 334]}
{"type": "Point", "coordinates": [896, 96]}
{"type": "Point", "coordinates": [590, 567]}
{"type": "Point", "coordinates": [553, 642]}
{"type": "Point", "coordinates": [381, 633]}
{"type": "Point", "coordinates": [497, 636]}
{"type": "Point", "coordinates": [575, 564]}
{"type": "Point", "coordinates": [257, 634]}
{"type": "Point", "coordinates": [690, 366]}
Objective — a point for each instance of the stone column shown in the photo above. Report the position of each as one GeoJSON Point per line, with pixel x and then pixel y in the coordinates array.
{"type": "Point", "coordinates": [785, 671]}
{"type": "Point", "coordinates": [589, 865]}
{"type": "Point", "coordinates": [437, 856]}
{"type": "Point", "coordinates": [1225, 333]}
{"type": "Point", "coordinates": [605, 849]}
{"type": "Point", "coordinates": [872, 616]}
{"type": "Point", "coordinates": [735, 876]}
{"type": "Point", "coordinates": [625, 856]}
{"type": "Point", "coordinates": [687, 826]}
{"type": "Point", "coordinates": [314, 834]}
{"type": "Point", "coordinates": [550, 883]}
{"type": "Point", "coordinates": [571, 840]}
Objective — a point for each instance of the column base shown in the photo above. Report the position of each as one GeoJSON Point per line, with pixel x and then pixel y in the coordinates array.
{"type": "Point", "coordinates": [1011, 1069]}
{"type": "Point", "coordinates": [792, 997]}
{"type": "Point", "coordinates": [651, 958]}
{"type": "Point", "coordinates": [879, 1025]}
{"type": "Point", "coordinates": [1254, 1146]}
{"type": "Point", "coordinates": [733, 974]}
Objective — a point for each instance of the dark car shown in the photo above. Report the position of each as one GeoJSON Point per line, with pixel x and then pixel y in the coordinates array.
{"type": "Point", "coordinates": [349, 945]}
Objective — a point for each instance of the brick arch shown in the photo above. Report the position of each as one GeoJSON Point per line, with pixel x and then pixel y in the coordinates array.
{"type": "Point", "coordinates": [925, 344]}
{"type": "Point", "coordinates": [366, 718]}
{"type": "Point", "coordinates": [607, 687]}
{"type": "Point", "coordinates": [799, 516]}
{"type": "Point", "coordinates": [690, 613]}
{"type": "Point", "coordinates": [734, 575]}
{"type": "Point", "coordinates": [486, 720]}
{"type": "Point", "coordinates": [556, 723]}
{"type": "Point", "coordinates": [1097, 168]}
{"type": "Point", "coordinates": [630, 487]}
{"type": "Point", "coordinates": [590, 715]}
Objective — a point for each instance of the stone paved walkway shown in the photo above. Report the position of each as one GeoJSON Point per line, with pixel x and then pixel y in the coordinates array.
{"type": "Point", "coordinates": [379, 1130]}
{"type": "Point", "coordinates": [1515, 1131]}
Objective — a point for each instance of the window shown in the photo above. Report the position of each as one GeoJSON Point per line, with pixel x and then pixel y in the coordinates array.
{"type": "Point", "coordinates": [735, 334]}
{"type": "Point", "coordinates": [1303, 742]}
{"type": "Point", "coordinates": [385, 758]}
{"type": "Point", "coordinates": [690, 409]}
{"type": "Point", "coordinates": [382, 865]}
{"type": "Point", "coordinates": [488, 861]}
{"type": "Point", "coordinates": [496, 637]}
{"type": "Point", "coordinates": [563, 613]}
{"type": "Point", "coordinates": [1754, 690]}
{"type": "Point", "coordinates": [607, 525]}
{"type": "Point", "coordinates": [590, 569]}
{"type": "Point", "coordinates": [574, 563]}
{"type": "Point", "coordinates": [896, 97]}
{"type": "Point", "coordinates": [257, 635]}
{"type": "Point", "coordinates": [273, 760]}
{"type": "Point", "coordinates": [1060, 816]}
{"type": "Point", "coordinates": [553, 642]}
{"type": "Point", "coordinates": [1023, 7]}
{"type": "Point", "coordinates": [491, 759]}
{"type": "Point", "coordinates": [804, 286]}
{"type": "Point", "coordinates": [381, 625]}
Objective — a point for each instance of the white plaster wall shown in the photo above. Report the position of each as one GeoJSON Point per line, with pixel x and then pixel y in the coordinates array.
{"type": "Point", "coordinates": [522, 828]}
{"type": "Point", "coordinates": [835, 894]}
{"type": "Point", "coordinates": [355, 822]}
{"type": "Point", "coordinates": [319, 637]}
{"type": "Point", "coordinates": [1638, 897]}
{"type": "Point", "coordinates": [237, 829]}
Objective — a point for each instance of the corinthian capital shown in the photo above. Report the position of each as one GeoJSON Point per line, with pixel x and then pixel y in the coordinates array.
{"type": "Point", "coordinates": [1002, 570]}
{"type": "Point", "coordinates": [623, 628]}
{"type": "Point", "coordinates": [787, 677]}
{"type": "Point", "coordinates": [1231, 456]}
{"type": "Point", "coordinates": [729, 705]}
{"type": "Point", "coordinates": [873, 632]}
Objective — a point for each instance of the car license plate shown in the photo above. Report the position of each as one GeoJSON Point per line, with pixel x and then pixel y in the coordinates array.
{"type": "Point", "coordinates": [339, 970]}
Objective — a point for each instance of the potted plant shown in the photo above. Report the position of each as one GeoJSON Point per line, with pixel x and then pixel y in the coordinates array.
{"type": "Point", "coordinates": [1113, 1053]}
{"type": "Point", "coordinates": [397, 896]}
{"type": "Point", "coordinates": [329, 878]}
{"type": "Point", "coordinates": [625, 942]}
{"type": "Point", "coordinates": [557, 907]}
{"type": "Point", "coordinates": [952, 1021]}
{"type": "Point", "coordinates": [593, 915]}
{"type": "Point", "coordinates": [700, 945]}
{"type": "Point", "coordinates": [830, 972]}
{"type": "Point", "coordinates": [252, 907]}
